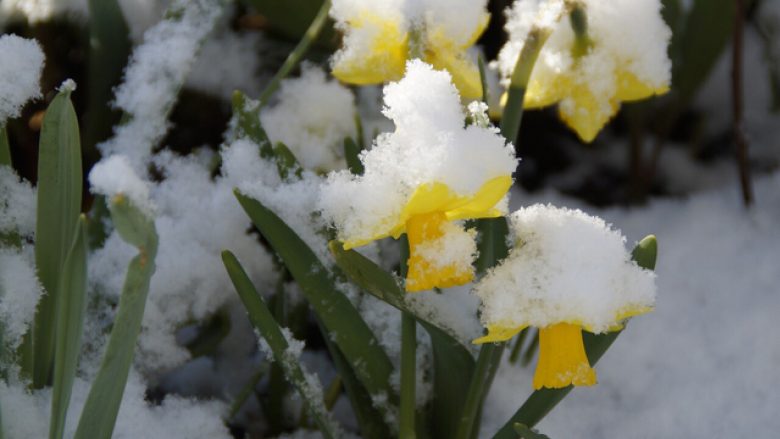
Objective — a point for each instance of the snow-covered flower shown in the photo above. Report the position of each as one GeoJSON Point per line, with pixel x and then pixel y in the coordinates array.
{"type": "Point", "coordinates": [432, 170]}
{"type": "Point", "coordinates": [617, 54]}
{"type": "Point", "coordinates": [567, 271]}
{"type": "Point", "coordinates": [379, 37]}
{"type": "Point", "coordinates": [312, 117]}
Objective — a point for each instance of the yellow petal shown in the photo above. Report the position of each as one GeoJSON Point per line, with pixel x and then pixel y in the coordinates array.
{"type": "Point", "coordinates": [584, 114]}
{"type": "Point", "coordinates": [438, 197]}
{"type": "Point", "coordinates": [423, 274]}
{"type": "Point", "coordinates": [385, 58]}
{"type": "Point", "coordinates": [543, 92]}
{"type": "Point", "coordinates": [562, 358]}
{"type": "Point", "coordinates": [498, 333]}
{"type": "Point", "coordinates": [630, 88]}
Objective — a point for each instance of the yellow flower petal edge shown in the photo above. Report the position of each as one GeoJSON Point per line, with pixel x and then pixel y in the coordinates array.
{"type": "Point", "coordinates": [498, 333]}
{"type": "Point", "coordinates": [562, 359]}
{"type": "Point", "coordinates": [424, 275]}
{"type": "Point", "coordinates": [384, 61]}
{"type": "Point", "coordinates": [438, 197]}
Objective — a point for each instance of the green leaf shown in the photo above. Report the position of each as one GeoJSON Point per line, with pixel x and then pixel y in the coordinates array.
{"type": "Point", "coordinates": [523, 432]}
{"type": "Point", "coordinates": [109, 48]}
{"type": "Point", "coordinates": [263, 321]}
{"type": "Point", "coordinates": [342, 321]}
{"type": "Point", "coordinates": [542, 401]}
{"type": "Point", "coordinates": [105, 396]}
{"type": "Point", "coordinates": [705, 34]}
{"type": "Point", "coordinates": [5, 148]}
{"type": "Point", "coordinates": [247, 114]}
{"type": "Point", "coordinates": [59, 204]}
{"type": "Point", "coordinates": [286, 163]}
{"type": "Point", "coordinates": [452, 362]}
{"type": "Point", "coordinates": [71, 307]}
{"type": "Point", "coordinates": [352, 155]}
{"type": "Point", "coordinates": [492, 242]}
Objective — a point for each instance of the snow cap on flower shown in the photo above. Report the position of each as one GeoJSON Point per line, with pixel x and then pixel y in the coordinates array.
{"type": "Point", "coordinates": [312, 117]}
{"type": "Point", "coordinates": [377, 38]}
{"type": "Point", "coordinates": [567, 271]}
{"type": "Point", "coordinates": [430, 171]}
{"type": "Point", "coordinates": [20, 74]}
{"type": "Point", "coordinates": [624, 58]}
{"type": "Point", "coordinates": [566, 266]}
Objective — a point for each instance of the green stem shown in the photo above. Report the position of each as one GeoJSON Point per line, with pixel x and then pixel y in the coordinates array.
{"type": "Point", "coordinates": [245, 392]}
{"type": "Point", "coordinates": [515, 354]}
{"type": "Point", "coordinates": [487, 364]}
{"type": "Point", "coordinates": [408, 379]}
{"type": "Point", "coordinates": [513, 111]}
{"type": "Point", "coordinates": [296, 55]}
{"type": "Point", "coordinates": [5, 148]}
{"type": "Point", "coordinates": [579, 24]}
{"type": "Point", "coordinates": [408, 359]}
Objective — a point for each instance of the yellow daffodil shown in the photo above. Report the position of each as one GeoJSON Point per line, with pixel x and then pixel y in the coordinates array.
{"type": "Point", "coordinates": [598, 54]}
{"type": "Point", "coordinates": [423, 178]}
{"type": "Point", "coordinates": [380, 38]}
{"type": "Point", "coordinates": [567, 272]}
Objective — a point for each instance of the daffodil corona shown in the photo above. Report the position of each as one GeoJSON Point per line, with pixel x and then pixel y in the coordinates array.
{"type": "Point", "coordinates": [422, 179]}
{"type": "Point", "coordinates": [567, 272]}
{"type": "Point", "coordinates": [617, 54]}
{"type": "Point", "coordinates": [379, 37]}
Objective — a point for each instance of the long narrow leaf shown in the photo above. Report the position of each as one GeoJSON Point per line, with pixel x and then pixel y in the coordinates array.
{"type": "Point", "coordinates": [453, 363]}
{"type": "Point", "coordinates": [5, 148]}
{"type": "Point", "coordinates": [70, 319]}
{"type": "Point", "coordinates": [264, 321]}
{"type": "Point", "coordinates": [105, 396]}
{"type": "Point", "coordinates": [343, 322]}
{"type": "Point", "coordinates": [543, 400]}
{"type": "Point", "coordinates": [59, 204]}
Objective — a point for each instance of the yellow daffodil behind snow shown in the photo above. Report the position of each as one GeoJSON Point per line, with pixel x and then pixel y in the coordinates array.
{"type": "Point", "coordinates": [622, 58]}
{"type": "Point", "coordinates": [378, 36]}
{"type": "Point", "coordinates": [421, 179]}
{"type": "Point", "coordinates": [567, 272]}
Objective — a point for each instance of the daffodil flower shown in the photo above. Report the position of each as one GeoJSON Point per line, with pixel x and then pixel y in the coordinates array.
{"type": "Point", "coordinates": [617, 54]}
{"type": "Point", "coordinates": [379, 37]}
{"type": "Point", "coordinates": [421, 179]}
{"type": "Point", "coordinates": [567, 272]}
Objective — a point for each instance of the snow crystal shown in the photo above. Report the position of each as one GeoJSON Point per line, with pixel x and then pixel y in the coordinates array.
{"type": "Point", "coordinates": [156, 72]}
{"type": "Point", "coordinates": [19, 294]}
{"type": "Point", "coordinates": [566, 266]}
{"type": "Point", "coordinates": [20, 74]}
{"type": "Point", "coordinates": [17, 204]}
{"type": "Point", "coordinates": [238, 66]}
{"type": "Point", "coordinates": [26, 414]}
{"type": "Point", "coordinates": [457, 247]}
{"type": "Point", "coordinates": [312, 117]}
{"type": "Point", "coordinates": [454, 310]}
{"type": "Point", "coordinates": [114, 176]}
{"type": "Point", "coordinates": [430, 144]}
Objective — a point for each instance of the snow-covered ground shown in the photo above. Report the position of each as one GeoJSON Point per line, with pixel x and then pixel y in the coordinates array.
{"type": "Point", "coordinates": [705, 362]}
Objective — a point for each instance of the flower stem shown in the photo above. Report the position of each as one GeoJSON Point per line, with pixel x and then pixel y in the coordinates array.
{"type": "Point", "coordinates": [513, 111]}
{"type": "Point", "coordinates": [487, 364]}
{"type": "Point", "coordinates": [408, 380]}
{"type": "Point", "coordinates": [296, 55]}
{"type": "Point", "coordinates": [408, 359]}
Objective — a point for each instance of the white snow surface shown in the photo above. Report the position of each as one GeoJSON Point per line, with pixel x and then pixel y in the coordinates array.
{"type": "Point", "coordinates": [26, 414]}
{"type": "Point", "coordinates": [114, 176]}
{"type": "Point", "coordinates": [430, 144]}
{"type": "Point", "coordinates": [704, 363]}
{"type": "Point", "coordinates": [156, 71]}
{"type": "Point", "coordinates": [17, 204]}
{"type": "Point", "coordinates": [19, 294]}
{"type": "Point", "coordinates": [21, 65]}
{"type": "Point", "coordinates": [312, 116]}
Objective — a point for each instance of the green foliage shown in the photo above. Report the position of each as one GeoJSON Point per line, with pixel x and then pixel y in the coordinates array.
{"type": "Point", "coordinates": [59, 205]}
{"type": "Point", "coordinates": [339, 317]}
{"type": "Point", "coordinates": [352, 155]}
{"type": "Point", "coordinates": [523, 432]}
{"type": "Point", "coordinates": [5, 148]}
{"type": "Point", "coordinates": [102, 405]}
{"type": "Point", "coordinates": [264, 321]}
{"type": "Point", "coordinates": [71, 307]}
